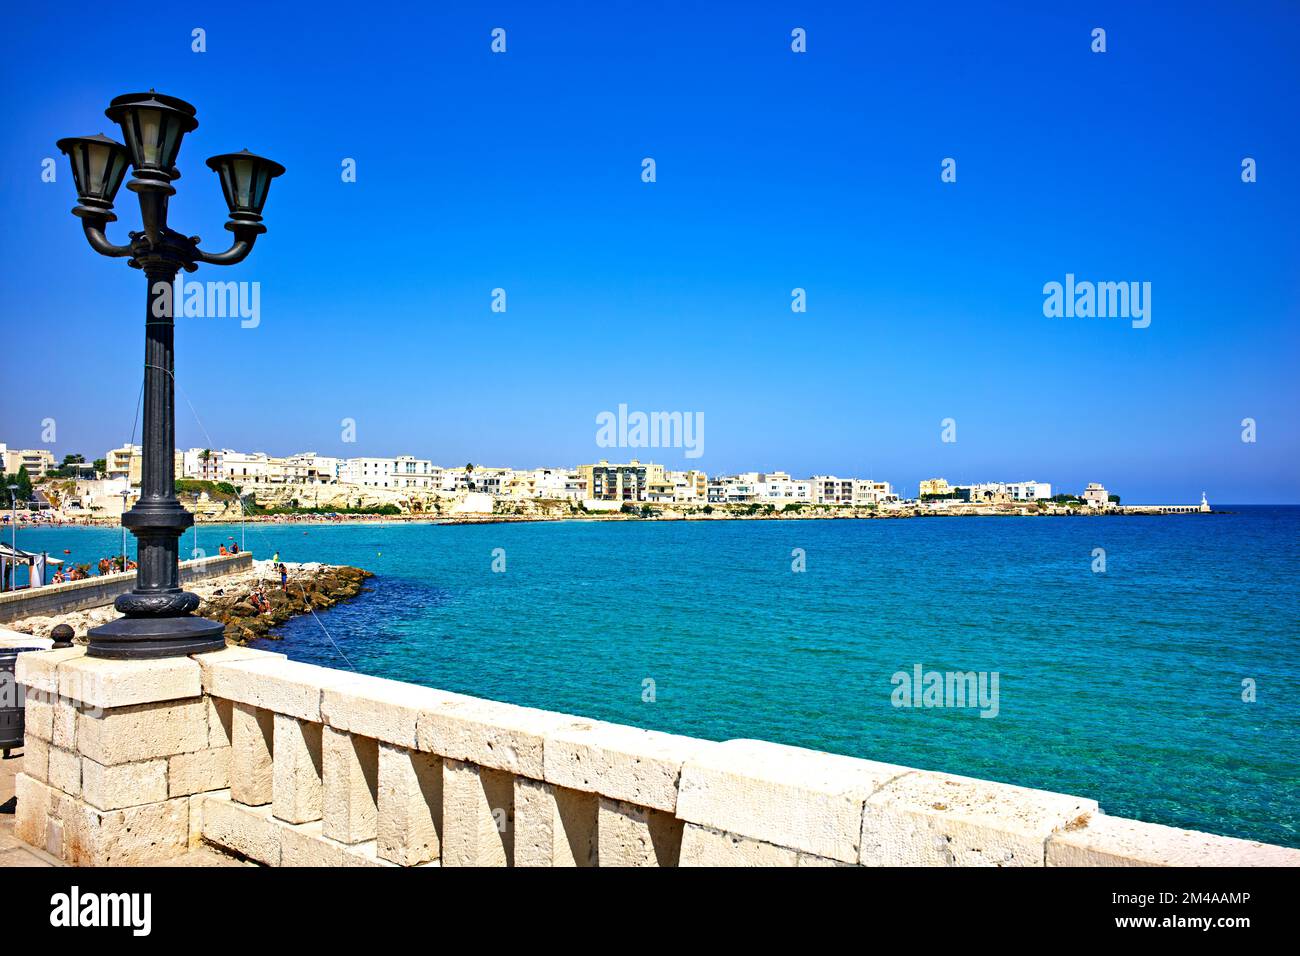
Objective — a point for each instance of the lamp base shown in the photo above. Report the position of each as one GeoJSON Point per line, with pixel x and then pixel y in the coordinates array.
{"type": "Point", "coordinates": [148, 638]}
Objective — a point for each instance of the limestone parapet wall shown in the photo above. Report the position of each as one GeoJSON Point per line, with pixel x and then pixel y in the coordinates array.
{"type": "Point", "coordinates": [103, 589]}
{"type": "Point", "coordinates": [290, 764]}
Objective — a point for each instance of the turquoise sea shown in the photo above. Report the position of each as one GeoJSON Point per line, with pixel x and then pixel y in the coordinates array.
{"type": "Point", "coordinates": [1125, 686]}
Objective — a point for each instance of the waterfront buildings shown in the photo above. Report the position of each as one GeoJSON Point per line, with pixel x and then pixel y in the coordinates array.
{"type": "Point", "coordinates": [37, 461]}
{"type": "Point", "coordinates": [602, 483]}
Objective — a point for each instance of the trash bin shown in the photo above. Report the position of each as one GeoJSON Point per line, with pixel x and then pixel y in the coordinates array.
{"type": "Point", "coordinates": [11, 699]}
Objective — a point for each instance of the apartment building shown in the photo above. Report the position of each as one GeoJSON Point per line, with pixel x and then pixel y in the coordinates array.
{"type": "Point", "coordinates": [313, 469]}
{"type": "Point", "coordinates": [627, 482]}
{"type": "Point", "coordinates": [555, 483]}
{"type": "Point", "coordinates": [829, 490]}
{"type": "Point", "coordinates": [1029, 490]}
{"type": "Point", "coordinates": [743, 488]}
{"type": "Point", "coordinates": [124, 464]}
{"type": "Point", "coordinates": [37, 461]}
{"type": "Point", "coordinates": [370, 472]}
{"type": "Point", "coordinates": [934, 486]}
{"type": "Point", "coordinates": [867, 492]}
{"type": "Point", "coordinates": [204, 464]}
{"type": "Point", "coordinates": [412, 472]}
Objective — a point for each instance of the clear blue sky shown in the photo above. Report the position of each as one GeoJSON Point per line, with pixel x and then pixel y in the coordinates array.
{"type": "Point", "coordinates": [775, 171]}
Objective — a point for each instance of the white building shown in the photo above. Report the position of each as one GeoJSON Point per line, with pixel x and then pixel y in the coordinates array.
{"type": "Point", "coordinates": [370, 472]}
{"type": "Point", "coordinates": [778, 488]}
{"type": "Point", "coordinates": [1029, 490]}
{"type": "Point", "coordinates": [204, 464]}
{"type": "Point", "coordinates": [734, 489]}
{"type": "Point", "coordinates": [412, 472]}
{"type": "Point", "coordinates": [829, 490]}
{"type": "Point", "coordinates": [869, 492]}
{"type": "Point", "coordinates": [313, 469]}
{"type": "Point", "coordinates": [1095, 496]}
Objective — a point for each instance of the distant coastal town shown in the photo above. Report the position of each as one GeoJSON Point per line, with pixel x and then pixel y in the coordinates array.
{"type": "Point", "coordinates": [225, 485]}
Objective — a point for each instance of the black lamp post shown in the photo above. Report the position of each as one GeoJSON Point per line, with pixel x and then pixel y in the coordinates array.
{"type": "Point", "coordinates": [159, 619]}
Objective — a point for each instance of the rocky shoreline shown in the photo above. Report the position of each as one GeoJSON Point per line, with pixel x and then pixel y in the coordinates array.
{"type": "Point", "coordinates": [228, 599]}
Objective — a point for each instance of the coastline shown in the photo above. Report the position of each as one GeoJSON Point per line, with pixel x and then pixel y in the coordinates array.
{"type": "Point", "coordinates": [719, 514]}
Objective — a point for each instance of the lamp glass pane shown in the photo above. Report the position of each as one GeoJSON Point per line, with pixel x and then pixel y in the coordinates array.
{"type": "Point", "coordinates": [261, 181]}
{"type": "Point", "coordinates": [171, 141]}
{"type": "Point", "coordinates": [97, 165]}
{"type": "Point", "coordinates": [243, 173]}
{"type": "Point", "coordinates": [150, 121]}
{"type": "Point", "coordinates": [77, 157]}
{"type": "Point", "coordinates": [117, 172]}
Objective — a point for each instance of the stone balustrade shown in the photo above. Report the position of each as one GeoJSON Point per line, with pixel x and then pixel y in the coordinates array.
{"type": "Point", "coordinates": [290, 764]}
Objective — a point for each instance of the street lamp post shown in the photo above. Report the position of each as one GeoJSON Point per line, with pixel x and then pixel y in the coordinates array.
{"type": "Point", "coordinates": [159, 619]}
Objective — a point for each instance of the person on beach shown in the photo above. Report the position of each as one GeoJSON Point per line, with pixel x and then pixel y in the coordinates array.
{"type": "Point", "coordinates": [284, 579]}
{"type": "Point", "coordinates": [222, 550]}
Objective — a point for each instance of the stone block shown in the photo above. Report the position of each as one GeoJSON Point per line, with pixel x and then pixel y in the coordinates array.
{"type": "Point", "coordinates": [554, 826]}
{"type": "Point", "coordinates": [932, 819]}
{"type": "Point", "coordinates": [491, 734]}
{"type": "Point", "coordinates": [297, 769]}
{"type": "Point", "coordinates": [31, 815]}
{"type": "Point", "coordinates": [1111, 841]}
{"type": "Point", "coordinates": [629, 835]}
{"type": "Point", "coordinates": [133, 836]}
{"type": "Point", "coordinates": [641, 767]}
{"type": "Point", "coordinates": [364, 854]}
{"type": "Point", "coordinates": [249, 831]}
{"type": "Point", "coordinates": [38, 670]}
{"type": "Point", "coordinates": [220, 721]}
{"type": "Point", "coordinates": [350, 786]}
{"type": "Point", "coordinates": [63, 730]}
{"type": "Point", "coordinates": [787, 796]}
{"type": "Point", "coordinates": [38, 715]}
{"type": "Point", "coordinates": [104, 683]}
{"type": "Point", "coordinates": [143, 731]}
{"type": "Point", "coordinates": [36, 758]}
{"type": "Point", "coordinates": [702, 846]}
{"type": "Point", "coordinates": [198, 772]}
{"type": "Point", "coordinates": [477, 815]}
{"type": "Point", "coordinates": [410, 805]}
{"type": "Point", "coordinates": [251, 755]}
{"type": "Point", "coordinates": [386, 710]}
{"type": "Point", "coordinates": [65, 771]}
{"type": "Point", "coordinates": [196, 814]}
{"type": "Point", "coordinates": [306, 845]}
{"type": "Point", "coordinates": [117, 786]}
{"type": "Point", "coordinates": [230, 654]}
{"type": "Point", "coordinates": [283, 686]}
